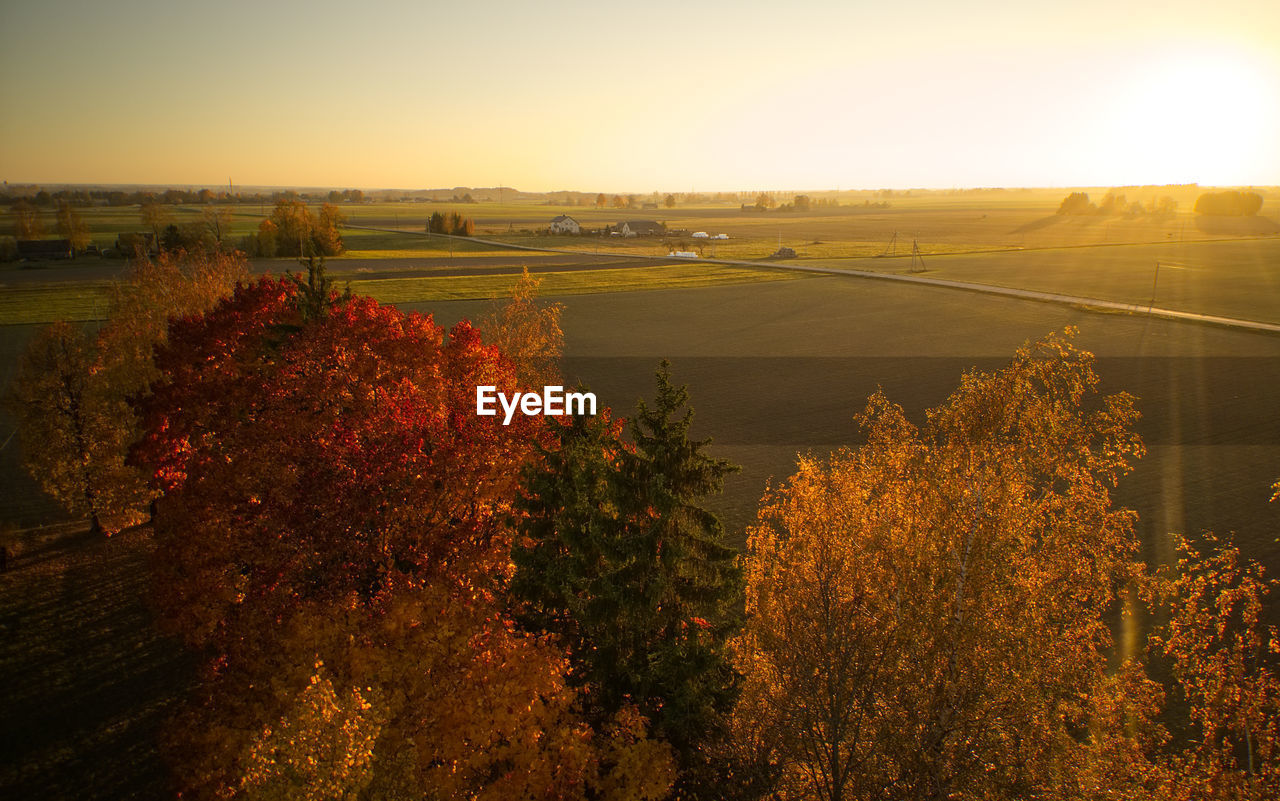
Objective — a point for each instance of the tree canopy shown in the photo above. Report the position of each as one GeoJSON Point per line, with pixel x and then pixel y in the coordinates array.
{"type": "Point", "coordinates": [332, 538]}
{"type": "Point", "coordinates": [926, 610]}
{"type": "Point", "coordinates": [1231, 203]}
{"type": "Point", "coordinates": [621, 560]}
{"type": "Point", "coordinates": [71, 394]}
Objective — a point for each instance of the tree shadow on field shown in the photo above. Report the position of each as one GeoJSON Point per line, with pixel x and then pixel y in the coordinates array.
{"type": "Point", "coordinates": [88, 681]}
{"type": "Point", "coordinates": [1236, 226]}
{"type": "Point", "coordinates": [1036, 225]}
{"type": "Point", "coordinates": [1070, 220]}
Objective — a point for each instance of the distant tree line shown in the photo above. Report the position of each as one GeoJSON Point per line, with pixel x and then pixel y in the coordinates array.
{"type": "Point", "coordinates": [346, 196]}
{"type": "Point", "coordinates": [1113, 203]}
{"type": "Point", "coordinates": [765, 201]}
{"type": "Point", "coordinates": [207, 232]}
{"type": "Point", "coordinates": [292, 229]}
{"type": "Point", "coordinates": [451, 223]}
{"type": "Point", "coordinates": [43, 198]}
{"type": "Point", "coordinates": [1229, 204]}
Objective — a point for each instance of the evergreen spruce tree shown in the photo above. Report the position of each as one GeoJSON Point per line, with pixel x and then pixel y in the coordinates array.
{"type": "Point", "coordinates": [696, 591]}
{"type": "Point", "coordinates": [316, 295]}
{"type": "Point", "coordinates": [621, 560]}
{"type": "Point", "coordinates": [571, 557]}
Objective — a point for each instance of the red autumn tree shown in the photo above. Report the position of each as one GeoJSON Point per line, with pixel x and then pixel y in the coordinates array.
{"type": "Point", "coordinates": [319, 460]}
{"type": "Point", "coordinates": [331, 498]}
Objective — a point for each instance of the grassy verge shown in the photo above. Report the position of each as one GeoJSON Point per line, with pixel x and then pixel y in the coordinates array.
{"type": "Point", "coordinates": [44, 303]}
{"type": "Point", "coordinates": [413, 290]}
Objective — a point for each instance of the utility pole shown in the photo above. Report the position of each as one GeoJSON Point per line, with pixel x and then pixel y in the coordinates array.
{"type": "Point", "coordinates": [916, 256]}
{"type": "Point", "coordinates": [891, 249]}
{"type": "Point", "coordinates": [1154, 279]}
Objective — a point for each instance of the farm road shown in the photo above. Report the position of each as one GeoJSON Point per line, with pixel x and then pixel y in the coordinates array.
{"type": "Point", "coordinates": [1049, 297]}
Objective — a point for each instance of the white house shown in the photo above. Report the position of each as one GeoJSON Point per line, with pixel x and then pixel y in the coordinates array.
{"type": "Point", "coordinates": [564, 224]}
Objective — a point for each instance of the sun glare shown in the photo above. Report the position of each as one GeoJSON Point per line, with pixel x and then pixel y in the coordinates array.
{"type": "Point", "coordinates": [1210, 119]}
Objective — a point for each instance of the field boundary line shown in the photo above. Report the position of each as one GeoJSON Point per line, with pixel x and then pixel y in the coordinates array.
{"type": "Point", "coordinates": [1091, 304]}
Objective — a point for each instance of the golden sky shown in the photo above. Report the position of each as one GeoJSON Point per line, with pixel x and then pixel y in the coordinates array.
{"type": "Point", "coordinates": [671, 96]}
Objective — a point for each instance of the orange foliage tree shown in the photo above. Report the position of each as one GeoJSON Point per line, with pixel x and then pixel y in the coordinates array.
{"type": "Point", "coordinates": [27, 223]}
{"type": "Point", "coordinates": [71, 393]}
{"type": "Point", "coordinates": [1225, 663]}
{"type": "Point", "coordinates": [527, 332]}
{"type": "Point", "coordinates": [431, 692]}
{"type": "Point", "coordinates": [926, 611]}
{"type": "Point", "coordinates": [293, 230]}
{"type": "Point", "coordinates": [65, 422]}
{"type": "Point", "coordinates": [71, 226]}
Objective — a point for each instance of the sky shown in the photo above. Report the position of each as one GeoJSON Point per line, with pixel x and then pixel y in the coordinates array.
{"type": "Point", "coordinates": [641, 96]}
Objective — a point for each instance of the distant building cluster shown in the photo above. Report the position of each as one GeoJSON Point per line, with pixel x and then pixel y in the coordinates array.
{"type": "Point", "coordinates": [564, 224]}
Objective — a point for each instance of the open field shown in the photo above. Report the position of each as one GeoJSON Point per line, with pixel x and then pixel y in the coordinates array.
{"type": "Point", "coordinates": [410, 290]}
{"type": "Point", "coordinates": [1232, 278]}
{"type": "Point", "coordinates": [967, 236]}
{"type": "Point", "coordinates": [46, 303]}
{"type": "Point", "coordinates": [939, 222]}
{"type": "Point", "coordinates": [88, 682]}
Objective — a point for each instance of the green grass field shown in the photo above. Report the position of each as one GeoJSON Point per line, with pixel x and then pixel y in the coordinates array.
{"type": "Point", "coordinates": [47, 303]}
{"type": "Point", "coordinates": [415, 290]}
{"type": "Point", "coordinates": [83, 301]}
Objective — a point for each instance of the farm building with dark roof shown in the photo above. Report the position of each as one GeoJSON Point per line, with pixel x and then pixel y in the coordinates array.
{"type": "Point", "coordinates": [640, 228]}
{"type": "Point", "coordinates": [44, 249]}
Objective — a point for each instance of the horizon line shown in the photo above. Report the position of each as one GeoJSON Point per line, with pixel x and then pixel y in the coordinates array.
{"type": "Point", "coordinates": [836, 190]}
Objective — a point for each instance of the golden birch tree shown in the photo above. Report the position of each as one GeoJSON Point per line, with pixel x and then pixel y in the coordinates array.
{"type": "Point", "coordinates": [527, 332]}
{"type": "Point", "coordinates": [926, 611]}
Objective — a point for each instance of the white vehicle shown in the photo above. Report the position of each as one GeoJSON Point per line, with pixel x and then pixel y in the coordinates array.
{"type": "Point", "coordinates": [683, 254]}
{"type": "Point", "coordinates": [720, 236]}
{"type": "Point", "coordinates": [701, 235]}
